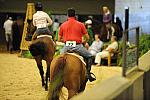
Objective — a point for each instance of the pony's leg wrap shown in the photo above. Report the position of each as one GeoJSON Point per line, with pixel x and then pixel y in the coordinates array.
{"type": "Point", "coordinates": [41, 74]}
{"type": "Point", "coordinates": [47, 76]}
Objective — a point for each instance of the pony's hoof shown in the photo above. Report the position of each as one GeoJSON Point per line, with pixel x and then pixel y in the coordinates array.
{"type": "Point", "coordinates": [46, 88]}
{"type": "Point", "coordinates": [43, 84]}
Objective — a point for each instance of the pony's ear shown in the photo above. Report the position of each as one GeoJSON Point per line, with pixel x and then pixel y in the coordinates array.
{"type": "Point", "coordinates": [29, 21]}
{"type": "Point", "coordinates": [28, 37]}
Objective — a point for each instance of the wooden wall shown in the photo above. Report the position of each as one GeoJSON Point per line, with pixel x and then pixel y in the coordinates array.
{"type": "Point", "coordinates": [59, 6]}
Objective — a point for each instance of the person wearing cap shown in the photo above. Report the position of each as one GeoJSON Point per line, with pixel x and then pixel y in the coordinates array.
{"type": "Point", "coordinates": [71, 32]}
{"type": "Point", "coordinates": [88, 22]}
{"type": "Point", "coordinates": [88, 25]}
{"type": "Point", "coordinates": [41, 20]}
{"type": "Point", "coordinates": [8, 32]}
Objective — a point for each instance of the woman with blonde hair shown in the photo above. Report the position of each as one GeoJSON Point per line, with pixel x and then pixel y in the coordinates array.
{"type": "Point", "coordinates": [107, 19]}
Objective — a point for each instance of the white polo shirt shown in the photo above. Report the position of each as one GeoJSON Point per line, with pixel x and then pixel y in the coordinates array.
{"type": "Point", "coordinates": [41, 19]}
{"type": "Point", "coordinates": [8, 26]}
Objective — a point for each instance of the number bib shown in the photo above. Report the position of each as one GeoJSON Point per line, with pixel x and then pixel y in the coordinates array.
{"type": "Point", "coordinates": [71, 43]}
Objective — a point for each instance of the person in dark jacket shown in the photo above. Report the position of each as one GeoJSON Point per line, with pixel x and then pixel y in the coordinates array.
{"type": "Point", "coordinates": [17, 30]}
{"type": "Point", "coordinates": [119, 23]}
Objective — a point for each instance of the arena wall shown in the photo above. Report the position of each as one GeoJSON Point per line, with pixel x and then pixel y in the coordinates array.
{"type": "Point", "coordinates": [139, 14]}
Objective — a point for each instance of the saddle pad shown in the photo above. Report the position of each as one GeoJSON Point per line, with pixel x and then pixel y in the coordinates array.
{"type": "Point", "coordinates": [80, 57]}
{"type": "Point", "coordinates": [44, 36]}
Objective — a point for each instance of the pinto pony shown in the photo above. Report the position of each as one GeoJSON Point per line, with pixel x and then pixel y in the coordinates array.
{"type": "Point", "coordinates": [42, 48]}
{"type": "Point", "coordinates": [104, 32]}
{"type": "Point", "coordinates": [69, 71]}
{"type": "Point", "coordinates": [100, 28]}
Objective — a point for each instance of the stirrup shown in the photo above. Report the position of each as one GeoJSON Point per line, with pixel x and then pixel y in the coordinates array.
{"type": "Point", "coordinates": [91, 78]}
{"type": "Point", "coordinates": [92, 75]}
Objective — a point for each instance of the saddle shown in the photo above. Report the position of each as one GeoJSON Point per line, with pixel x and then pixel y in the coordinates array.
{"type": "Point", "coordinates": [77, 55]}
{"type": "Point", "coordinates": [81, 59]}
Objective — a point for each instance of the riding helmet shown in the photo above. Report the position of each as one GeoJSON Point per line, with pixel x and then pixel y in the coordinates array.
{"type": "Point", "coordinates": [38, 6]}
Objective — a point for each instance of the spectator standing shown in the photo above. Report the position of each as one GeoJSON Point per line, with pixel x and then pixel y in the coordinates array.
{"type": "Point", "coordinates": [88, 25]}
{"type": "Point", "coordinates": [8, 32]}
{"type": "Point", "coordinates": [119, 23]}
{"type": "Point", "coordinates": [107, 19]}
{"type": "Point", "coordinates": [17, 30]}
{"type": "Point", "coordinates": [55, 26]}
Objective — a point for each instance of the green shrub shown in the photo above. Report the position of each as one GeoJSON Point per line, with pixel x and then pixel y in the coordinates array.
{"type": "Point", "coordinates": [144, 44]}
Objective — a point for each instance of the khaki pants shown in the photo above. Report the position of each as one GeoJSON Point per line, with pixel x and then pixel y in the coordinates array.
{"type": "Point", "coordinates": [110, 27]}
{"type": "Point", "coordinates": [100, 55]}
{"type": "Point", "coordinates": [8, 36]}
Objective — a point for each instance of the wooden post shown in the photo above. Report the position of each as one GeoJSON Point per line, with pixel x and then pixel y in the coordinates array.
{"type": "Point", "coordinates": [29, 13]}
{"type": "Point", "coordinates": [109, 59]}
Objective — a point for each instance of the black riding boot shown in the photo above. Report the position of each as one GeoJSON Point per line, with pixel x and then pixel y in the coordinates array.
{"type": "Point", "coordinates": [88, 68]}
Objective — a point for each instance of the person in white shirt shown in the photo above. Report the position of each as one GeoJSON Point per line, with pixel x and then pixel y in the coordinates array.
{"type": "Point", "coordinates": [96, 45]}
{"type": "Point", "coordinates": [8, 32]}
{"type": "Point", "coordinates": [41, 20]}
{"type": "Point", "coordinates": [111, 48]}
{"type": "Point", "coordinates": [55, 26]}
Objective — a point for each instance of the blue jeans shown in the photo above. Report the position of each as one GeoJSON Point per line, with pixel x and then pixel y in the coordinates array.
{"type": "Point", "coordinates": [84, 53]}
{"type": "Point", "coordinates": [78, 49]}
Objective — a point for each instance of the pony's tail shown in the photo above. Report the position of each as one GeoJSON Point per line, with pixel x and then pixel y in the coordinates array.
{"type": "Point", "coordinates": [57, 81]}
{"type": "Point", "coordinates": [37, 48]}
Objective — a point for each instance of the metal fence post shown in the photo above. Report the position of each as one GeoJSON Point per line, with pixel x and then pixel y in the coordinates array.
{"type": "Point", "coordinates": [137, 44]}
{"type": "Point", "coordinates": [127, 21]}
{"type": "Point", "coordinates": [124, 53]}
